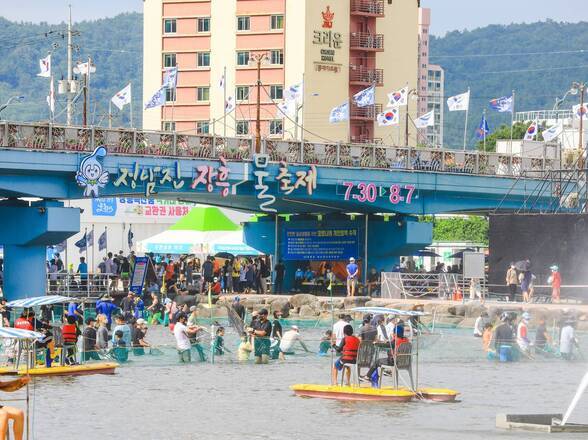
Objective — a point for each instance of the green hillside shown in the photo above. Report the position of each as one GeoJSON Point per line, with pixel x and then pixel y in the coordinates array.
{"type": "Point", "coordinates": [115, 44]}
{"type": "Point", "coordinates": [537, 79]}
{"type": "Point", "coordinates": [492, 61]}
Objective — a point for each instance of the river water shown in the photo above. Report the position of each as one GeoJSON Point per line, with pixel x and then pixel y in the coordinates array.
{"type": "Point", "coordinates": [155, 398]}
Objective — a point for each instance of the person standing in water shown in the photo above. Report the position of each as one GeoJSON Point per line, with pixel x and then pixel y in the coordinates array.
{"type": "Point", "coordinates": [261, 330]}
{"type": "Point", "coordinates": [555, 281]}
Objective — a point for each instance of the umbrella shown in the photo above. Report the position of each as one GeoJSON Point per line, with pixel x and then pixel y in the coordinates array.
{"type": "Point", "coordinates": [523, 265]}
{"type": "Point", "coordinates": [17, 333]}
{"type": "Point", "coordinates": [459, 254]}
{"type": "Point", "coordinates": [426, 253]}
{"type": "Point", "coordinates": [225, 255]}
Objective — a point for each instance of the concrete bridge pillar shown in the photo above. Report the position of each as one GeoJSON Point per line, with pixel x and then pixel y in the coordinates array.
{"type": "Point", "coordinates": [25, 233]}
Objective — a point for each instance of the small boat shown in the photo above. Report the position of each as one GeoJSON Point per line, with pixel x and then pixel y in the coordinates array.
{"type": "Point", "coordinates": [349, 393]}
{"type": "Point", "coordinates": [437, 394]}
{"type": "Point", "coordinates": [64, 370]}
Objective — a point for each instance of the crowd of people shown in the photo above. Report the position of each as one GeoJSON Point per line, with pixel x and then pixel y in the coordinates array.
{"type": "Point", "coordinates": [521, 278]}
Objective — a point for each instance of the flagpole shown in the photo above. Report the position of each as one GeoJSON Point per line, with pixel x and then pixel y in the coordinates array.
{"type": "Point", "coordinates": [131, 103]}
{"type": "Point", "coordinates": [512, 112]}
{"type": "Point", "coordinates": [86, 238]}
{"type": "Point", "coordinates": [302, 111]}
{"type": "Point", "coordinates": [51, 100]}
{"type": "Point", "coordinates": [225, 101]}
{"type": "Point", "coordinates": [110, 114]}
{"type": "Point", "coordinates": [465, 129]}
{"type": "Point", "coordinates": [484, 127]}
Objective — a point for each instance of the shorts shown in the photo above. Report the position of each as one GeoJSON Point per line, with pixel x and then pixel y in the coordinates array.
{"type": "Point", "coordinates": [124, 276]}
{"type": "Point", "coordinates": [339, 363]}
{"type": "Point", "coordinates": [185, 356]}
{"type": "Point", "coordinates": [351, 282]}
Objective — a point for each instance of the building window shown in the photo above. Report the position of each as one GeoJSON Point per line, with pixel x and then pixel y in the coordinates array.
{"type": "Point", "coordinates": [204, 24]}
{"type": "Point", "coordinates": [242, 58]}
{"type": "Point", "coordinates": [169, 60]}
{"type": "Point", "coordinates": [203, 94]}
{"type": "Point", "coordinates": [277, 22]}
{"type": "Point", "coordinates": [168, 126]}
{"type": "Point", "coordinates": [242, 128]}
{"type": "Point", "coordinates": [277, 57]}
{"type": "Point", "coordinates": [242, 93]}
{"type": "Point", "coordinates": [169, 26]}
{"type": "Point", "coordinates": [276, 127]}
{"type": "Point", "coordinates": [170, 95]}
{"type": "Point", "coordinates": [243, 23]}
{"type": "Point", "coordinates": [202, 127]}
{"type": "Point", "coordinates": [203, 59]}
{"type": "Point", "coordinates": [277, 92]}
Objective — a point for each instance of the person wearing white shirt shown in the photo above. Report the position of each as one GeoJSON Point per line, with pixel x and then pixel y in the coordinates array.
{"type": "Point", "coordinates": [567, 340]}
{"type": "Point", "coordinates": [182, 335]}
{"type": "Point", "coordinates": [289, 339]}
{"type": "Point", "coordinates": [338, 327]}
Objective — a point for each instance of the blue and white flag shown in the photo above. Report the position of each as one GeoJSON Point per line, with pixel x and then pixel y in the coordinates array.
{"type": "Point", "coordinates": [60, 247]}
{"type": "Point", "coordinates": [294, 92]}
{"type": "Point", "coordinates": [170, 78]}
{"type": "Point", "coordinates": [288, 108]}
{"type": "Point", "coordinates": [503, 104]}
{"type": "Point", "coordinates": [123, 97]}
{"type": "Point", "coordinates": [90, 238]}
{"type": "Point", "coordinates": [340, 113]}
{"type": "Point", "coordinates": [102, 241]}
{"type": "Point", "coordinates": [157, 100]}
{"type": "Point", "coordinates": [459, 102]}
{"type": "Point", "coordinates": [82, 243]}
{"type": "Point", "coordinates": [552, 132]}
{"type": "Point", "coordinates": [365, 97]}
{"type": "Point", "coordinates": [45, 67]}
{"type": "Point", "coordinates": [483, 129]}
{"type": "Point", "coordinates": [426, 120]}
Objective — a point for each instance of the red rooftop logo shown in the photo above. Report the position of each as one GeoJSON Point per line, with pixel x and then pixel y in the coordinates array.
{"type": "Point", "coordinates": [328, 18]}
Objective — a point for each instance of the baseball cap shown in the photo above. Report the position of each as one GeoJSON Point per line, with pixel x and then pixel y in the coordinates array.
{"type": "Point", "coordinates": [141, 321]}
{"type": "Point", "coordinates": [263, 312]}
{"type": "Point", "coordinates": [295, 327]}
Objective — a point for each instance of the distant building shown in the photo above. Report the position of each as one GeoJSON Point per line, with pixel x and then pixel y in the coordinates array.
{"type": "Point", "coordinates": [430, 85]}
{"type": "Point", "coordinates": [337, 47]}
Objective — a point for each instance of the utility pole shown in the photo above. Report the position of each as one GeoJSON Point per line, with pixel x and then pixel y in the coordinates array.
{"type": "Point", "coordinates": [258, 59]}
{"type": "Point", "coordinates": [69, 70]}
{"type": "Point", "coordinates": [581, 87]}
{"type": "Point", "coordinates": [410, 92]}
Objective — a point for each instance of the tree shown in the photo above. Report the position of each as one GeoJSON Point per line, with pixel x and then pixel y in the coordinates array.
{"type": "Point", "coordinates": [472, 229]}
{"type": "Point", "coordinates": [503, 133]}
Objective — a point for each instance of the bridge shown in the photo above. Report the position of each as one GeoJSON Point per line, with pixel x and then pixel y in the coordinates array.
{"type": "Point", "coordinates": [56, 163]}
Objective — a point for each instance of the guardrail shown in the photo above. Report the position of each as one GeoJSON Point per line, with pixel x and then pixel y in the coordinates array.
{"type": "Point", "coordinates": [121, 141]}
{"type": "Point", "coordinates": [80, 286]}
{"type": "Point", "coordinates": [419, 285]}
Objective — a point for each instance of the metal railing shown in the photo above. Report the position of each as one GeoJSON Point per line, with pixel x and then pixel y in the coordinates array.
{"type": "Point", "coordinates": [363, 76]}
{"type": "Point", "coordinates": [49, 137]}
{"type": "Point", "coordinates": [543, 115]}
{"type": "Point", "coordinates": [419, 285]}
{"type": "Point", "coordinates": [369, 112]}
{"type": "Point", "coordinates": [368, 7]}
{"type": "Point", "coordinates": [366, 41]}
{"type": "Point", "coordinates": [80, 286]}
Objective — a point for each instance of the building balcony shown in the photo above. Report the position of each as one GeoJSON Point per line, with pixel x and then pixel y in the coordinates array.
{"type": "Point", "coordinates": [360, 76]}
{"type": "Point", "coordinates": [367, 8]}
{"type": "Point", "coordinates": [365, 139]}
{"type": "Point", "coordinates": [367, 41]}
{"type": "Point", "coordinates": [367, 113]}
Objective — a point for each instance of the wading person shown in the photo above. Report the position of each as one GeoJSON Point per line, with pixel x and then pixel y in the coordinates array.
{"type": "Point", "coordinates": [261, 330]}
{"type": "Point", "coordinates": [352, 272]}
{"type": "Point", "coordinates": [90, 345]}
{"type": "Point", "coordinates": [182, 335]}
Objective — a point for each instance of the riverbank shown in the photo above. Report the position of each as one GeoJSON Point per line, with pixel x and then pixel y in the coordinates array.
{"type": "Point", "coordinates": [444, 313]}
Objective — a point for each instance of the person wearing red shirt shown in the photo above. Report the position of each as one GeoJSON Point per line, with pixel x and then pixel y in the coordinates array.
{"type": "Point", "coordinates": [348, 348]}
{"type": "Point", "coordinates": [555, 283]}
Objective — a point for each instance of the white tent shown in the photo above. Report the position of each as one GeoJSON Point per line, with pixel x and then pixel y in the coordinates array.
{"type": "Point", "coordinates": [181, 242]}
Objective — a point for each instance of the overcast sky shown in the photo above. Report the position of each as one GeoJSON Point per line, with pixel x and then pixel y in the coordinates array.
{"type": "Point", "coordinates": [447, 15]}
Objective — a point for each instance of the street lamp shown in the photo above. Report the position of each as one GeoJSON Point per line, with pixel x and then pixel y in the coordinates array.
{"type": "Point", "coordinates": [410, 92]}
{"type": "Point", "coordinates": [258, 59]}
{"type": "Point", "coordinates": [10, 101]}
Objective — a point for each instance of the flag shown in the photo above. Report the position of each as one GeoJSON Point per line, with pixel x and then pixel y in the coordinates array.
{"type": "Point", "coordinates": [81, 244]}
{"type": "Point", "coordinates": [483, 129]}
{"type": "Point", "coordinates": [157, 100]}
{"type": "Point", "coordinates": [123, 97]}
{"type": "Point", "coordinates": [60, 247]}
{"type": "Point", "coordinates": [90, 238]}
{"type": "Point", "coordinates": [365, 97]}
{"type": "Point", "coordinates": [552, 132]}
{"type": "Point", "coordinates": [459, 102]}
{"type": "Point", "coordinates": [503, 104]}
{"type": "Point", "coordinates": [294, 92]}
{"type": "Point", "coordinates": [230, 104]}
{"type": "Point", "coordinates": [390, 116]}
{"type": "Point", "coordinates": [580, 112]}
{"type": "Point", "coordinates": [130, 236]}
{"type": "Point", "coordinates": [51, 97]}
{"type": "Point", "coordinates": [339, 113]}
{"type": "Point", "coordinates": [288, 108]}
{"type": "Point", "coordinates": [102, 241]}
{"type": "Point", "coordinates": [531, 131]}
{"type": "Point", "coordinates": [82, 68]}
{"type": "Point", "coordinates": [426, 120]}
{"type": "Point", "coordinates": [45, 67]}
{"type": "Point", "coordinates": [221, 83]}
{"type": "Point", "coordinates": [398, 98]}
{"type": "Point", "coordinates": [170, 78]}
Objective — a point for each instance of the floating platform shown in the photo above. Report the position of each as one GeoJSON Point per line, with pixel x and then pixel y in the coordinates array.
{"type": "Point", "coordinates": [537, 423]}
{"type": "Point", "coordinates": [65, 370]}
{"type": "Point", "coordinates": [336, 392]}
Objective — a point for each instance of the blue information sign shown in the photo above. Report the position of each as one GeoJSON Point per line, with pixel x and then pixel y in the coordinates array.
{"type": "Point", "coordinates": [329, 244]}
{"type": "Point", "coordinates": [138, 276]}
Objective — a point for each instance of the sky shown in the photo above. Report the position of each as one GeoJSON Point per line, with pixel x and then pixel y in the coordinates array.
{"type": "Point", "coordinates": [447, 15]}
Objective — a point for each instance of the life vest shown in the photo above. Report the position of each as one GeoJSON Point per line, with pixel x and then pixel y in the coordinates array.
{"type": "Point", "coordinates": [23, 324]}
{"type": "Point", "coordinates": [350, 348]}
{"type": "Point", "coordinates": [69, 332]}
